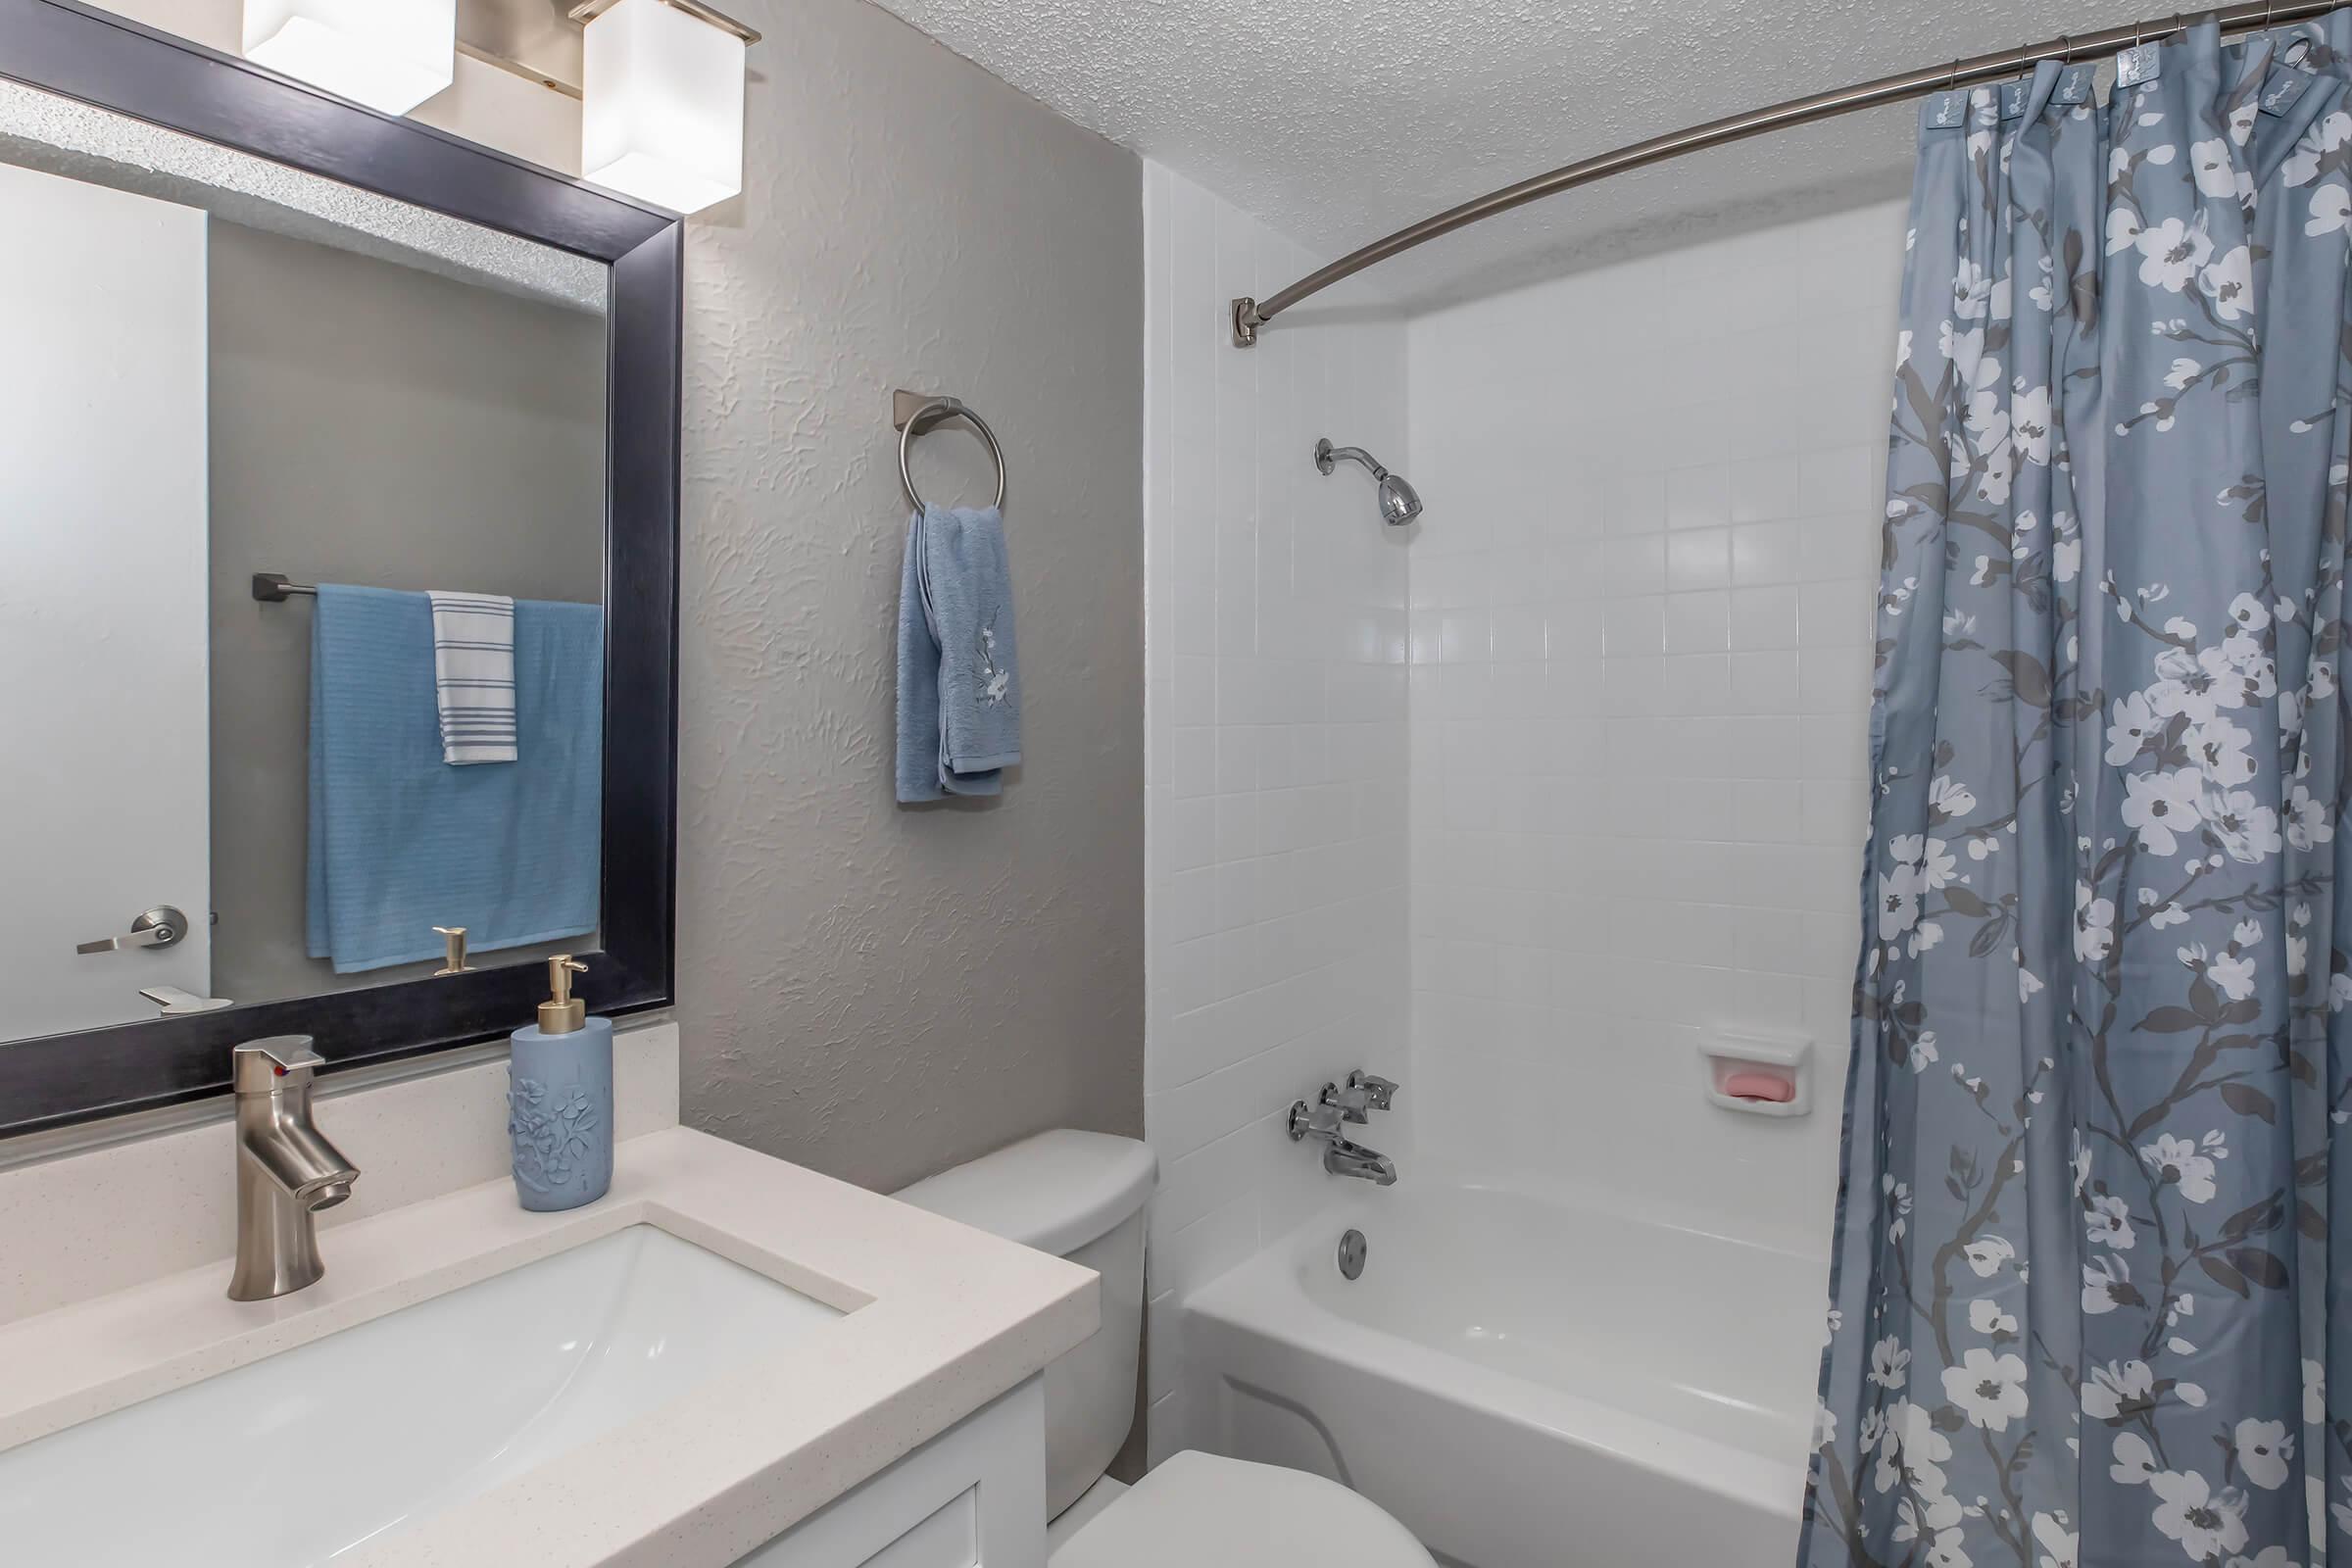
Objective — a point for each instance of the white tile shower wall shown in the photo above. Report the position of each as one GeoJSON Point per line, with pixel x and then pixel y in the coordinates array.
{"type": "Point", "coordinates": [1276, 758]}
{"type": "Point", "coordinates": [1641, 624]}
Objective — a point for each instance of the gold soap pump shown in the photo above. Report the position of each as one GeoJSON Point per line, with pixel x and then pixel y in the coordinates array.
{"type": "Point", "coordinates": [562, 1013]}
{"type": "Point", "coordinates": [559, 1113]}
{"type": "Point", "coordinates": [452, 937]}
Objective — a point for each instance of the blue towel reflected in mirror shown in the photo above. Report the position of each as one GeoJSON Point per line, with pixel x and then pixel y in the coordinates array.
{"type": "Point", "coordinates": [400, 842]}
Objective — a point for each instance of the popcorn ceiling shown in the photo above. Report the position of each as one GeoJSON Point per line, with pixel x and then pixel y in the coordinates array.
{"type": "Point", "coordinates": [61, 136]}
{"type": "Point", "coordinates": [1338, 120]}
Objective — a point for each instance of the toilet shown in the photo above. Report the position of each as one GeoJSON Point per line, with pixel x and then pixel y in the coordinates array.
{"type": "Point", "coordinates": [1083, 1196]}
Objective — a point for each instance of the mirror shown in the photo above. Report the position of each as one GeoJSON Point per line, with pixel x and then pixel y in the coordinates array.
{"type": "Point", "coordinates": [224, 370]}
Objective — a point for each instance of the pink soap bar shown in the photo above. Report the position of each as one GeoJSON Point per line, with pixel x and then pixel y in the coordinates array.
{"type": "Point", "coordinates": [1758, 1086]}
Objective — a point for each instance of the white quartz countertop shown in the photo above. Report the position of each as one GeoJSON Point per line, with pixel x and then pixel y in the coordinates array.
{"type": "Point", "coordinates": [939, 1319]}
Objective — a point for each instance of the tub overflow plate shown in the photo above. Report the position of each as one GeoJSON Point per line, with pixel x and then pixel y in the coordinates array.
{"type": "Point", "coordinates": [1353, 1248]}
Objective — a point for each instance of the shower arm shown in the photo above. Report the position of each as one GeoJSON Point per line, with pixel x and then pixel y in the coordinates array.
{"type": "Point", "coordinates": [1248, 314]}
{"type": "Point", "coordinates": [1324, 457]}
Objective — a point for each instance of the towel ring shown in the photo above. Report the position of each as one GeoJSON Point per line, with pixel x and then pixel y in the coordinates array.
{"type": "Point", "coordinates": [937, 410]}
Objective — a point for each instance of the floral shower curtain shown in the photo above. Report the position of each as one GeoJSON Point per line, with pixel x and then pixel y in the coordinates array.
{"type": "Point", "coordinates": [2092, 1279]}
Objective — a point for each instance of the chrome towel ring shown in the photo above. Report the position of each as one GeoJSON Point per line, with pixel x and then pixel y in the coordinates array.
{"type": "Point", "coordinates": [914, 414]}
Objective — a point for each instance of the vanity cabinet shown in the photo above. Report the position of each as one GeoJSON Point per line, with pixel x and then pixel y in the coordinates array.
{"type": "Point", "coordinates": [974, 1497]}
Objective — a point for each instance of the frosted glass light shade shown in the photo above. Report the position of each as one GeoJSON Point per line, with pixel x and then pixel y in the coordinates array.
{"type": "Point", "coordinates": [390, 55]}
{"type": "Point", "coordinates": [664, 113]}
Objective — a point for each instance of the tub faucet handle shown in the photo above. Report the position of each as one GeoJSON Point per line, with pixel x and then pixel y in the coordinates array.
{"type": "Point", "coordinates": [1379, 1093]}
{"type": "Point", "coordinates": [1352, 1104]}
{"type": "Point", "coordinates": [1320, 1120]}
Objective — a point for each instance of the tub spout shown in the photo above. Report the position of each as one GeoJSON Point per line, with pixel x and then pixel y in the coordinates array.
{"type": "Point", "coordinates": [1342, 1158]}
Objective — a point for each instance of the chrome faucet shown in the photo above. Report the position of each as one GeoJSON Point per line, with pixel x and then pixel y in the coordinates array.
{"type": "Point", "coordinates": [1381, 1093]}
{"type": "Point", "coordinates": [1324, 1121]}
{"type": "Point", "coordinates": [1363, 1096]}
{"type": "Point", "coordinates": [286, 1172]}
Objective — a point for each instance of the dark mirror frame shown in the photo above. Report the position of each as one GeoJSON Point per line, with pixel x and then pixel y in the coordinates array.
{"type": "Point", "coordinates": [113, 63]}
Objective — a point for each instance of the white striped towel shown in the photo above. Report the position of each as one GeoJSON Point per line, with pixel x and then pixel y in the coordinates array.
{"type": "Point", "coordinates": [473, 676]}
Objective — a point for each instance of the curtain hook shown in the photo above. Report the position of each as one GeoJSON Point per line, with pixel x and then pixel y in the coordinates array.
{"type": "Point", "coordinates": [1951, 77]}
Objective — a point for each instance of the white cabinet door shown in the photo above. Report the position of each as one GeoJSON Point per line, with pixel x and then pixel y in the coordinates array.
{"type": "Point", "coordinates": [104, 798]}
{"type": "Point", "coordinates": [974, 1497]}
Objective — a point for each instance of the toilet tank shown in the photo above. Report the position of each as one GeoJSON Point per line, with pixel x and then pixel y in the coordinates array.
{"type": "Point", "coordinates": [1079, 1195]}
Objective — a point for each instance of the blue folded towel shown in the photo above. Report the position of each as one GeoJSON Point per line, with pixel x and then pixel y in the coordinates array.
{"type": "Point", "coordinates": [960, 684]}
{"type": "Point", "coordinates": [399, 840]}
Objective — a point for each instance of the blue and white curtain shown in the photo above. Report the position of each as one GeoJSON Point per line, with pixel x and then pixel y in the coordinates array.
{"type": "Point", "coordinates": [2092, 1290]}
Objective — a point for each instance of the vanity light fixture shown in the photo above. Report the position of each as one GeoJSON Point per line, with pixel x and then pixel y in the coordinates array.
{"type": "Point", "coordinates": [390, 55]}
{"type": "Point", "coordinates": [662, 117]}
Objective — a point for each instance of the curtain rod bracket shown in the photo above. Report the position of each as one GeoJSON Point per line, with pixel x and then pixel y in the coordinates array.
{"type": "Point", "coordinates": [1246, 323]}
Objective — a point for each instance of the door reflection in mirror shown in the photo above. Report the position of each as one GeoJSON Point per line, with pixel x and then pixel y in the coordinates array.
{"type": "Point", "coordinates": [234, 369]}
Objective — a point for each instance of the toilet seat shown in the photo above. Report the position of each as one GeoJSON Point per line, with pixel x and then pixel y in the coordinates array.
{"type": "Point", "coordinates": [1198, 1510]}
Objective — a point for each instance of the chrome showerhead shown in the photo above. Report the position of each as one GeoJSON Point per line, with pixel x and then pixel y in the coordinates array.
{"type": "Point", "coordinates": [1400, 502]}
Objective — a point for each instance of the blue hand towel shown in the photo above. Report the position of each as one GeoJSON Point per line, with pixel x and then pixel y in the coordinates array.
{"type": "Point", "coordinates": [960, 684]}
{"type": "Point", "coordinates": [400, 842]}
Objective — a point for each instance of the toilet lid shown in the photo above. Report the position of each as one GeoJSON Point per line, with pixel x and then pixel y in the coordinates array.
{"type": "Point", "coordinates": [1198, 1510]}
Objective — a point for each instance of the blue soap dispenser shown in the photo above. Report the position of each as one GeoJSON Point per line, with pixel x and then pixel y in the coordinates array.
{"type": "Point", "coordinates": [559, 1099]}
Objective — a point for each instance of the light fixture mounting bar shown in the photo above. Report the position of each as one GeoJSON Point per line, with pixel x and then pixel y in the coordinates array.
{"type": "Point", "coordinates": [516, 68]}
{"type": "Point", "coordinates": [589, 10]}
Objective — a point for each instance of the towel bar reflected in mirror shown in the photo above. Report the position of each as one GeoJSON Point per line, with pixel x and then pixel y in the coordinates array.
{"type": "Point", "coordinates": [273, 587]}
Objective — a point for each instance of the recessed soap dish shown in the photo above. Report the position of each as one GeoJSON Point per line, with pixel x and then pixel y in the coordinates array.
{"type": "Point", "coordinates": [1761, 1074]}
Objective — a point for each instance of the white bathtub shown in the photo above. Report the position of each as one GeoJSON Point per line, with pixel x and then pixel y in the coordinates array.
{"type": "Point", "coordinates": [1526, 1384]}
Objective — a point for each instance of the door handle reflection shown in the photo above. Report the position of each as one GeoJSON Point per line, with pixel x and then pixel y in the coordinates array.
{"type": "Point", "coordinates": [157, 927]}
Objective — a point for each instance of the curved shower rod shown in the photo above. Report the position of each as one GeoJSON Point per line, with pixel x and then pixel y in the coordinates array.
{"type": "Point", "coordinates": [1248, 314]}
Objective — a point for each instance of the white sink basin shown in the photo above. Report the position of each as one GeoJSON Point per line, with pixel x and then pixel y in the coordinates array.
{"type": "Point", "coordinates": [334, 1445]}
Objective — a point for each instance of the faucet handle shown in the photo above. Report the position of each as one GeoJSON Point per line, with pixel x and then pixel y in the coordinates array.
{"type": "Point", "coordinates": [1320, 1120]}
{"type": "Point", "coordinates": [1379, 1093]}
{"type": "Point", "coordinates": [257, 1065]}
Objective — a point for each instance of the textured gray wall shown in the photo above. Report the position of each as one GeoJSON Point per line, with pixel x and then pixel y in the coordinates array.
{"type": "Point", "coordinates": [370, 424]}
{"type": "Point", "coordinates": [868, 990]}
